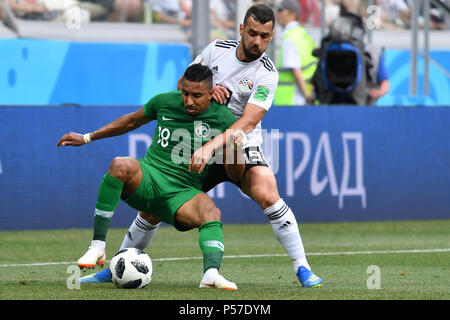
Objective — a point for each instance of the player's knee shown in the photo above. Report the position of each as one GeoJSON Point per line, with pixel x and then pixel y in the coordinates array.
{"type": "Point", "coordinates": [216, 214]}
{"type": "Point", "coordinates": [149, 218]}
{"type": "Point", "coordinates": [212, 214]}
{"type": "Point", "coordinates": [260, 185]}
{"type": "Point", "coordinates": [121, 168]}
{"type": "Point", "coordinates": [264, 195]}
{"type": "Point", "coordinates": [268, 200]}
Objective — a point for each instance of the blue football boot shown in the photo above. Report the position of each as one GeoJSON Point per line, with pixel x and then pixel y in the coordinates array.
{"type": "Point", "coordinates": [103, 276]}
{"type": "Point", "coordinates": [308, 279]}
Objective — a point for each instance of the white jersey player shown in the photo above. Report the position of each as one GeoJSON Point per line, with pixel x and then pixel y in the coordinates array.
{"type": "Point", "coordinates": [252, 82]}
{"type": "Point", "coordinates": [246, 77]}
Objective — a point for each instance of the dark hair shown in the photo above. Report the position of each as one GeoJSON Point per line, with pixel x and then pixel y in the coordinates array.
{"type": "Point", "coordinates": [198, 73]}
{"type": "Point", "coordinates": [261, 13]}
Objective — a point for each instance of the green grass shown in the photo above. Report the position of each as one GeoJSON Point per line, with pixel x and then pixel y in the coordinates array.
{"type": "Point", "coordinates": [404, 276]}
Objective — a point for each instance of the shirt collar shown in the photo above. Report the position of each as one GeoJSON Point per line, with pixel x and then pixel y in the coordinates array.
{"type": "Point", "coordinates": [291, 25]}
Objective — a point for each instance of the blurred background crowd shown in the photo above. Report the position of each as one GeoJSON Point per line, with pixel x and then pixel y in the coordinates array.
{"type": "Point", "coordinates": [390, 14]}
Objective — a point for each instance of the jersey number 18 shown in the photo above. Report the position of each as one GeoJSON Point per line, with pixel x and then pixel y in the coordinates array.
{"type": "Point", "coordinates": [163, 136]}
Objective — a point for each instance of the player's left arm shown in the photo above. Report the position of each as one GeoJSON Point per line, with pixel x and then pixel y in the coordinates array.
{"type": "Point", "coordinates": [257, 106]}
{"type": "Point", "coordinates": [252, 115]}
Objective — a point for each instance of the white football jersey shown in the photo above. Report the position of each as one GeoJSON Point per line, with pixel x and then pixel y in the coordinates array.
{"type": "Point", "coordinates": [248, 82]}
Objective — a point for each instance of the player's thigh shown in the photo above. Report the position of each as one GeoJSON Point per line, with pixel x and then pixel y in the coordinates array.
{"type": "Point", "coordinates": [196, 211]}
{"type": "Point", "coordinates": [142, 198]}
{"type": "Point", "coordinates": [259, 183]}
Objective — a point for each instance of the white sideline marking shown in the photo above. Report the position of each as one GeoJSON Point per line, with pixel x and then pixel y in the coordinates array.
{"type": "Point", "coordinates": [38, 264]}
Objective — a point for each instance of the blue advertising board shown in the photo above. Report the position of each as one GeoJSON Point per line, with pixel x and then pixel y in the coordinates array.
{"type": "Point", "coordinates": [331, 164]}
{"type": "Point", "coordinates": [46, 72]}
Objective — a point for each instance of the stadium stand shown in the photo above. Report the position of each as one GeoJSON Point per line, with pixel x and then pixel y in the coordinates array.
{"type": "Point", "coordinates": [93, 31]}
{"type": "Point", "coordinates": [58, 22]}
{"type": "Point", "coordinates": [102, 32]}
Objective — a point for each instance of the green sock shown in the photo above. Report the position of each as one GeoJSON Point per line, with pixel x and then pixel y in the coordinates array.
{"type": "Point", "coordinates": [211, 244]}
{"type": "Point", "coordinates": [107, 201]}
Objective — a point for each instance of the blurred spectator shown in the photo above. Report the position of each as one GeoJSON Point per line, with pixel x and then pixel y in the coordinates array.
{"type": "Point", "coordinates": [335, 7]}
{"type": "Point", "coordinates": [296, 64]}
{"type": "Point", "coordinates": [221, 16]}
{"type": "Point", "coordinates": [126, 10]}
{"type": "Point", "coordinates": [99, 10]}
{"type": "Point", "coordinates": [223, 13]}
{"type": "Point", "coordinates": [332, 9]}
{"type": "Point", "coordinates": [350, 6]}
{"type": "Point", "coordinates": [309, 10]}
{"type": "Point", "coordinates": [378, 70]}
{"type": "Point", "coordinates": [437, 18]}
{"type": "Point", "coordinates": [171, 11]}
{"type": "Point", "coordinates": [113, 10]}
{"type": "Point", "coordinates": [394, 14]}
{"type": "Point", "coordinates": [31, 9]}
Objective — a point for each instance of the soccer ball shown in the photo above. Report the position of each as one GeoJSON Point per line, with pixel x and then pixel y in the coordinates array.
{"type": "Point", "coordinates": [131, 268]}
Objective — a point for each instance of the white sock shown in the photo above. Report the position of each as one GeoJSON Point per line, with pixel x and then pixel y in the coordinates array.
{"type": "Point", "coordinates": [285, 227]}
{"type": "Point", "coordinates": [211, 272]}
{"type": "Point", "coordinates": [98, 243]}
{"type": "Point", "coordinates": [140, 234]}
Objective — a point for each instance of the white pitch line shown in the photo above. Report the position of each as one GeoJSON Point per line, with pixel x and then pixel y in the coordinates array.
{"type": "Point", "coordinates": [269, 255]}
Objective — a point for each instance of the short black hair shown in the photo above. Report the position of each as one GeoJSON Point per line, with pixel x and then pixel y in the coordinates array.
{"type": "Point", "coordinates": [261, 13]}
{"type": "Point", "coordinates": [198, 73]}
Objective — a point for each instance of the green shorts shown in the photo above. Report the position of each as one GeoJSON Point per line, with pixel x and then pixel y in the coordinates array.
{"type": "Point", "coordinates": [160, 194]}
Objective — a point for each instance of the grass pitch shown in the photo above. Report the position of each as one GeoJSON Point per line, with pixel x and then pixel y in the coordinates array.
{"type": "Point", "coordinates": [413, 258]}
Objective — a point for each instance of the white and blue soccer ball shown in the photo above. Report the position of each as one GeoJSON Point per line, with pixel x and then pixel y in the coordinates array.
{"type": "Point", "coordinates": [131, 268]}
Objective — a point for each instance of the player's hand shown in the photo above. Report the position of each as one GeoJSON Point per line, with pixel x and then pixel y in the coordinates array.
{"type": "Point", "coordinates": [71, 139]}
{"type": "Point", "coordinates": [220, 94]}
{"type": "Point", "coordinates": [239, 139]}
{"type": "Point", "coordinates": [375, 93]}
{"type": "Point", "coordinates": [200, 158]}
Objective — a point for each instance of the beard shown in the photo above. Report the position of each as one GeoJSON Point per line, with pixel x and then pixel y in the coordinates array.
{"type": "Point", "coordinates": [249, 55]}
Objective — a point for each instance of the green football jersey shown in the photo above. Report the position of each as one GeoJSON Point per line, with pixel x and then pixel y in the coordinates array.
{"type": "Point", "coordinates": [178, 134]}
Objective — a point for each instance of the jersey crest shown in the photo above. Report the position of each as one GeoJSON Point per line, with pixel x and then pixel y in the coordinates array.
{"type": "Point", "coordinates": [245, 85]}
{"type": "Point", "coordinates": [201, 129]}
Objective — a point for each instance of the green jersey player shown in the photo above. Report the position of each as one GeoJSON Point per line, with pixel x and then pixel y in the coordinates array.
{"type": "Point", "coordinates": [246, 79]}
{"type": "Point", "coordinates": [161, 182]}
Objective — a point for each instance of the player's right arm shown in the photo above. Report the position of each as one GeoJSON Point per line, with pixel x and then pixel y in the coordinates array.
{"type": "Point", "coordinates": [117, 127]}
